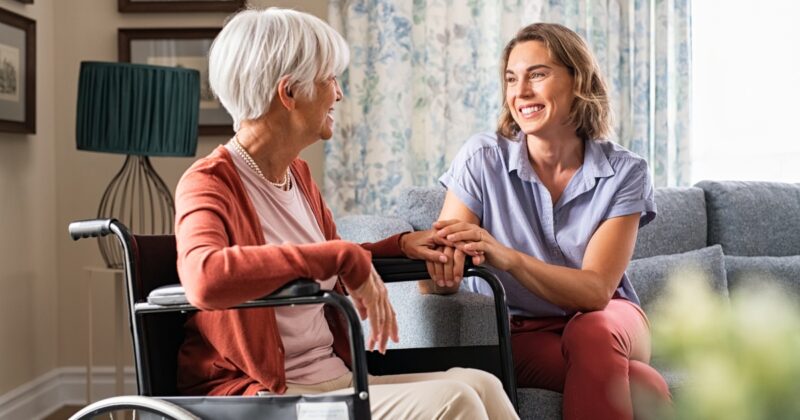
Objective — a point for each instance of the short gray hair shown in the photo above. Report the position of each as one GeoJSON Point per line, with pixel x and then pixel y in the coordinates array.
{"type": "Point", "coordinates": [256, 48]}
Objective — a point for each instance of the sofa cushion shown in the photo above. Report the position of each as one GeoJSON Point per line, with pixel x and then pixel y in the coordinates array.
{"type": "Point", "coordinates": [542, 404]}
{"type": "Point", "coordinates": [649, 276]}
{"type": "Point", "coordinates": [539, 404]}
{"type": "Point", "coordinates": [784, 272]}
{"type": "Point", "coordinates": [461, 319]}
{"type": "Point", "coordinates": [753, 218]}
{"type": "Point", "coordinates": [364, 228]}
{"type": "Point", "coordinates": [420, 206]}
{"type": "Point", "coordinates": [679, 227]}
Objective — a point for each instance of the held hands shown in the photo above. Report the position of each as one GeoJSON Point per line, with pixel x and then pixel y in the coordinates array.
{"type": "Point", "coordinates": [422, 245]}
{"type": "Point", "coordinates": [461, 240]}
{"type": "Point", "coordinates": [445, 264]}
{"type": "Point", "coordinates": [372, 302]}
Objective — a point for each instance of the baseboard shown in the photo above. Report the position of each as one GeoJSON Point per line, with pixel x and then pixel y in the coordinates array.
{"type": "Point", "coordinates": [59, 387]}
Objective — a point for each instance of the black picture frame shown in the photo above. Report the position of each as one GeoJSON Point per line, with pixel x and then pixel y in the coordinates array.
{"type": "Point", "coordinates": [17, 73]}
{"type": "Point", "coordinates": [185, 47]}
{"type": "Point", "coordinates": [162, 6]}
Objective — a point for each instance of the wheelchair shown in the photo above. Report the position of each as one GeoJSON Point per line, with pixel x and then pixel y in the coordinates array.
{"type": "Point", "coordinates": [158, 308]}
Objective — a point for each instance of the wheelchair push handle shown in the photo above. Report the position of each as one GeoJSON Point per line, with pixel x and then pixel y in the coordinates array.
{"type": "Point", "coordinates": [90, 228]}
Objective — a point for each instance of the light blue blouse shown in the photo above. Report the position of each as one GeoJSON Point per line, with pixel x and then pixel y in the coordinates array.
{"type": "Point", "coordinates": [494, 178]}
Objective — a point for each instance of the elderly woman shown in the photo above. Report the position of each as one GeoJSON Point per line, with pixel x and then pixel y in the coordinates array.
{"type": "Point", "coordinates": [554, 210]}
{"type": "Point", "coordinates": [250, 219]}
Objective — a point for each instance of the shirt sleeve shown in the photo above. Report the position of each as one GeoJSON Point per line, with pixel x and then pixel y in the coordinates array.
{"type": "Point", "coordinates": [463, 178]}
{"type": "Point", "coordinates": [635, 193]}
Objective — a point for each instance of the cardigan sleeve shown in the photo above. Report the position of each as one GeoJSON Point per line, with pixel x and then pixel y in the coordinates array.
{"type": "Point", "coordinates": [219, 266]}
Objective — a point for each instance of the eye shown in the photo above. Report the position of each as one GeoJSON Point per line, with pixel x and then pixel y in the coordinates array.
{"type": "Point", "coordinates": [510, 79]}
{"type": "Point", "coordinates": [536, 75]}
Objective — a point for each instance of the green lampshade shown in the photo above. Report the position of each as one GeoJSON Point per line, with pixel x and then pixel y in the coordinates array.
{"type": "Point", "coordinates": [137, 109]}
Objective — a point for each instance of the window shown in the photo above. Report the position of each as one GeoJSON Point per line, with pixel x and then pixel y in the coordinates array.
{"type": "Point", "coordinates": [746, 90]}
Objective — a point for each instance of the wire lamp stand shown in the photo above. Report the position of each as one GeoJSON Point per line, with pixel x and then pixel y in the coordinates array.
{"type": "Point", "coordinates": [139, 198]}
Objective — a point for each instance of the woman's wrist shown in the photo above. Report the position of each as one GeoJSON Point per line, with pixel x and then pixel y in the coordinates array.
{"type": "Point", "coordinates": [401, 241]}
{"type": "Point", "coordinates": [509, 259]}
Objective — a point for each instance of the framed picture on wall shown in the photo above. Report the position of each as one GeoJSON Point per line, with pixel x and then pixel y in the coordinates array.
{"type": "Point", "coordinates": [179, 47]}
{"type": "Point", "coordinates": [17, 73]}
{"type": "Point", "coordinates": [150, 6]}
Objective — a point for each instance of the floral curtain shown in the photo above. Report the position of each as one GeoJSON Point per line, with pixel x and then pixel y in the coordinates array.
{"type": "Point", "coordinates": [424, 76]}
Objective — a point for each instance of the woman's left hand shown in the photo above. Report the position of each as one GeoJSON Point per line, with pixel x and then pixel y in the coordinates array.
{"type": "Point", "coordinates": [421, 245]}
{"type": "Point", "coordinates": [476, 242]}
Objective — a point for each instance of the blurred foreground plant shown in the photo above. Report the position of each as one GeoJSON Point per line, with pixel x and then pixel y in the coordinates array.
{"type": "Point", "coordinates": [742, 356]}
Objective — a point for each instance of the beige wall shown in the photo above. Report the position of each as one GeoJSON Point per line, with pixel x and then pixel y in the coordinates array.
{"type": "Point", "coordinates": [45, 183]}
{"type": "Point", "coordinates": [28, 272]}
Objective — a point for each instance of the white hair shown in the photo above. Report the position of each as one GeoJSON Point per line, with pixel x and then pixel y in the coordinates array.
{"type": "Point", "coordinates": [257, 48]}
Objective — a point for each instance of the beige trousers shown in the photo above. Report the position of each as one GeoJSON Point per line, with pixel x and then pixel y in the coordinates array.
{"type": "Point", "coordinates": [455, 394]}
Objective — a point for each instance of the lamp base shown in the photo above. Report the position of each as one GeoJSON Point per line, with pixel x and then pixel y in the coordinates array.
{"type": "Point", "coordinates": [140, 199]}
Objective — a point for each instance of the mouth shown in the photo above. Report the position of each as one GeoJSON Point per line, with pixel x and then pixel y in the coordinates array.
{"type": "Point", "coordinates": [528, 111]}
{"type": "Point", "coordinates": [330, 114]}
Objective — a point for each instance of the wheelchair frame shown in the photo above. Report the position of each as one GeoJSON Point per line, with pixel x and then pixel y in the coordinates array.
{"type": "Point", "coordinates": [298, 292]}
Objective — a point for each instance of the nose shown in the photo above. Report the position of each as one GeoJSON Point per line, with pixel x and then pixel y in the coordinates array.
{"type": "Point", "coordinates": [339, 94]}
{"type": "Point", "coordinates": [524, 88]}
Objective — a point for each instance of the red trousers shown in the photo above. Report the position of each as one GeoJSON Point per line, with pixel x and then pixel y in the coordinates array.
{"type": "Point", "coordinates": [598, 360]}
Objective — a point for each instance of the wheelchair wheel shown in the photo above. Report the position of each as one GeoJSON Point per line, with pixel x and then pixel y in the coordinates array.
{"type": "Point", "coordinates": [133, 407]}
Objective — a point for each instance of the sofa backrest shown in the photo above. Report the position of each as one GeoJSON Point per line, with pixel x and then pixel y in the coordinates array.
{"type": "Point", "coordinates": [753, 218]}
{"type": "Point", "coordinates": [679, 226]}
{"type": "Point", "coordinates": [420, 206]}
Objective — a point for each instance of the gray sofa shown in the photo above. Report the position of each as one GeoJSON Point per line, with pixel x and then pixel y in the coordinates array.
{"type": "Point", "coordinates": [729, 230]}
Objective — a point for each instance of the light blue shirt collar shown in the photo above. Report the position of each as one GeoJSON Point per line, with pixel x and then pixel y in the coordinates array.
{"type": "Point", "coordinates": [595, 163]}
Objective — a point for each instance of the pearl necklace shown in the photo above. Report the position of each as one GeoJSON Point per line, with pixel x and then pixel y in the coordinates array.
{"type": "Point", "coordinates": [284, 184]}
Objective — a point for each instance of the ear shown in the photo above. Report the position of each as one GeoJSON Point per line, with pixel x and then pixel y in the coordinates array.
{"type": "Point", "coordinates": [285, 94]}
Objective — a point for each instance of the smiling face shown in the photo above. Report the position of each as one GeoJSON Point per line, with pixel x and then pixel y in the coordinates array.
{"type": "Point", "coordinates": [539, 91]}
{"type": "Point", "coordinates": [318, 109]}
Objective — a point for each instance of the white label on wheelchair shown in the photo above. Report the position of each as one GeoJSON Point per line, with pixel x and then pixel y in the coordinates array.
{"type": "Point", "coordinates": [322, 411]}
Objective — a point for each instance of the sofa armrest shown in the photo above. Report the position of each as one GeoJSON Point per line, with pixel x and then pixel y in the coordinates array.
{"type": "Point", "coordinates": [461, 319]}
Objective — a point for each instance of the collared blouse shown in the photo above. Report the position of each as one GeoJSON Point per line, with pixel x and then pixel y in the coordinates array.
{"type": "Point", "coordinates": [493, 177]}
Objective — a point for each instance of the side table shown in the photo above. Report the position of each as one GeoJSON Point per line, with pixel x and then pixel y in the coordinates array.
{"type": "Point", "coordinates": [103, 273]}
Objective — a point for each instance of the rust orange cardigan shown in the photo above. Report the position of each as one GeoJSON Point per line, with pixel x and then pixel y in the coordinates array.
{"type": "Point", "coordinates": [223, 261]}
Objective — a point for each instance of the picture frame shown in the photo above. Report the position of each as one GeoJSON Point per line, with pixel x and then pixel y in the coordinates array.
{"type": "Point", "coordinates": [184, 47]}
{"type": "Point", "coordinates": [17, 73]}
{"type": "Point", "coordinates": [158, 6]}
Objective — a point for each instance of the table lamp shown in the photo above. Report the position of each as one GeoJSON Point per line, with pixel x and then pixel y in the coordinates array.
{"type": "Point", "coordinates": [139, 111]}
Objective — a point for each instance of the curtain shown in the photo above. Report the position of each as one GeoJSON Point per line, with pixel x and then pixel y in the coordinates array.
{"type": "Point", "coordinates": [424, 75]}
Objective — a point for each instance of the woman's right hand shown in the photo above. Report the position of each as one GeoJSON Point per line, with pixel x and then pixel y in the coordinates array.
{"type": "Point", "coordinates": [446, 277]}
{"type": "Point", "coordinates": [372, 302]}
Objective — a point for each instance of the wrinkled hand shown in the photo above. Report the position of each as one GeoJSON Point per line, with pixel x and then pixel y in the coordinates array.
{"type": "Point", "coordinates": [475, 242]}
{"type": "Point", "coordinates": [421, 245]}
{"type": "Point", "coordinates": [372, 302]}
{"type": "Point", "coordinates": [448, 274]}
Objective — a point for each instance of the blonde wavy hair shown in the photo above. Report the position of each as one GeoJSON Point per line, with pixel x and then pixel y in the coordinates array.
{"type": "Point", "coordinates": [590, 112]}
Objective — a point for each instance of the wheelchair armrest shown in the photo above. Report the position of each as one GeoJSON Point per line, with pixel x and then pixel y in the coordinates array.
{"type": "Point", "coordinates": [174, 295]}
{"type": "Point", "coordinates": [399, 269]}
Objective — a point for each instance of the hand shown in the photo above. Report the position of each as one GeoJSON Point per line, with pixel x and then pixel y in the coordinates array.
{"type": "Point", "coordinates": [449, 274]}
{"type": "Point", "coordinates": [476, 242]}
{"type": "Point", "coordinates": [421, 245]}
{"type": "Point", "coordinates": [372, 302]}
